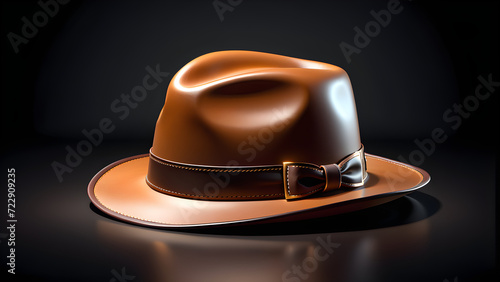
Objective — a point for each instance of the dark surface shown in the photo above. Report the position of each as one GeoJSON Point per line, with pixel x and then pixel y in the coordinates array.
{"type": "Point", "coordinates": [444, 230]}
{"type": "Point", "coordinates": [426, 60]}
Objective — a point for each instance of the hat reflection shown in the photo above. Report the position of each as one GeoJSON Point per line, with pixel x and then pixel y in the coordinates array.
{"type": "Point", "coordinates": [169, 256]}
{"type": "Point", "coordinates": [159, 255]}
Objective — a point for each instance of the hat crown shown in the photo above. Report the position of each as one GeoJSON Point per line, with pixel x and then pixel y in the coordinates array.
{"type": "Point", "coordinates": [252, 108]}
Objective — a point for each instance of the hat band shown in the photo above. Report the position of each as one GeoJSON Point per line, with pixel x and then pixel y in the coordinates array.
{"type": "Point", "coordinates": [291, 180]}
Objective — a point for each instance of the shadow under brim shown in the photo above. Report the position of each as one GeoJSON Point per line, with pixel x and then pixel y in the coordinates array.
{"type": "Point", "coordinates": [408, 209]}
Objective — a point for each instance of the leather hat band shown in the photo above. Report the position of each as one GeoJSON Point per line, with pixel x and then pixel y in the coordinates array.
{"type": "Point", "coordinates": [291, 180]}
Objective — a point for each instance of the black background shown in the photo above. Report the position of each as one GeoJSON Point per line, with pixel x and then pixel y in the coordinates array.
{"type": "Point", "coordinates": [64, 79]}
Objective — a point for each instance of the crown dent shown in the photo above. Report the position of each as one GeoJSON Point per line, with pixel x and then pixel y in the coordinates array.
{"type": "Point", "coordinates": [254, 108]}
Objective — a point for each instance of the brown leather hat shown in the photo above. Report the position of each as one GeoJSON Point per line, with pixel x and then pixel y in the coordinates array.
{"type": "Point", "coordinates": [249, 137]}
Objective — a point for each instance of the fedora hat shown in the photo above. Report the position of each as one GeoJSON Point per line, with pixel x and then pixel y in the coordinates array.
{"type": "Point", "coordinates": [249, 137]}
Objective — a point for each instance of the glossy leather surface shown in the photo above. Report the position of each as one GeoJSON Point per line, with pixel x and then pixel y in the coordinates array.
{"type": "Point", "coordinates": [251, 108]}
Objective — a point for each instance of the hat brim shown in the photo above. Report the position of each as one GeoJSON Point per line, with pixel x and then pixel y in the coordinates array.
{"type": "Point", "coordinates": [120, 190]}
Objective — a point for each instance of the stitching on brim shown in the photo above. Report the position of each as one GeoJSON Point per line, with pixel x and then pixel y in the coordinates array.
{"type": "Point", "coordinates": [127, 215]}
{"type": "Point", "coordinates": [121, 213]}
{"type": "Point", "coordinates": [400, 165]}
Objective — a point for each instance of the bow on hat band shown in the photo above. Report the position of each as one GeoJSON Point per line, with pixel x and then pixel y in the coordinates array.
{"type": "Point", "coordinates": [301, 179]}
{"type": "Point", "coordinates": [292, 180]}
